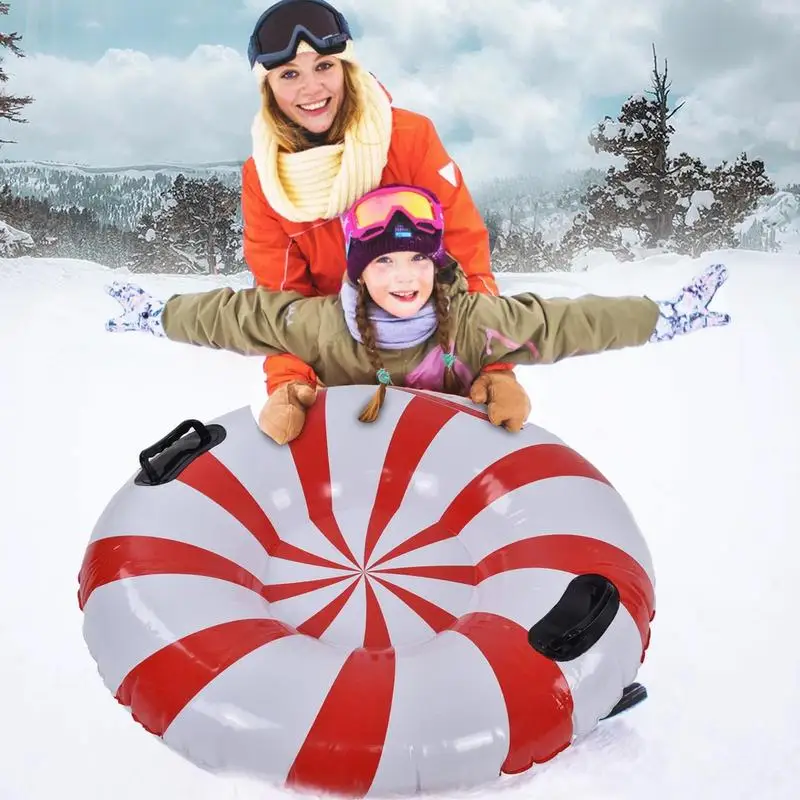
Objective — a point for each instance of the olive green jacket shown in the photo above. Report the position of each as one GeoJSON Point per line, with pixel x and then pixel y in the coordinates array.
{"type": "Point", "coordinates": [520, 329]}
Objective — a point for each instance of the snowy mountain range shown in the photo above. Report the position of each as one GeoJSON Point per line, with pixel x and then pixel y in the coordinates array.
{"type": "Point", "coordinates": [117, 195]}
{"type": "Point", "coordinates": [120, 195]}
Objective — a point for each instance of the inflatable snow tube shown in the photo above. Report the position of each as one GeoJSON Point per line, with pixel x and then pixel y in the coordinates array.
{"type": "Point", "coordinates": [421, 604]}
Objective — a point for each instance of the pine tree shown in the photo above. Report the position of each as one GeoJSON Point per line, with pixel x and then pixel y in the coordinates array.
{"type": "Point", "coordinates": [10, 105]}
{"type": "Point", "coordinates": [719, 201]}
{"type": "Point", "coordinates": [519, 247]}
{"type": "Point", "coordinates": [199, 221]}
{"type": "Point", "coordinates": [638, 196]}
{"type": "Point", "coordinates": [656, 200]}
{"type": "Point", "coordinates": [150, 249]}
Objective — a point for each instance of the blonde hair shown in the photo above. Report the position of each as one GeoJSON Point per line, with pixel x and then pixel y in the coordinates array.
{"type": "Point", "coordinates": [291, 136]}
{"type": "Point", "coordinates": [452, 383]}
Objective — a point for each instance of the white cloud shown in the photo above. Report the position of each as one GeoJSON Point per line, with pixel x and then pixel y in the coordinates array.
{"type": "Point", "coordinates": [511, 84]}
{"type": "Point", "coordinates": [128, 107]}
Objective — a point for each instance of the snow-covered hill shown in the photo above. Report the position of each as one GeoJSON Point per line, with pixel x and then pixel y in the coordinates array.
{"type": "Point", "coordinates": [699, 435]}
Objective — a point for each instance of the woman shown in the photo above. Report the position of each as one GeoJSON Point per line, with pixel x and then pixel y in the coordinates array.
{"type": "Point", "coordinates": [326, 134]}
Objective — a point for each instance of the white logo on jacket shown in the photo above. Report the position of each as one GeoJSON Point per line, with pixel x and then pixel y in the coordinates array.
{"type": "Point", "coordinates": [448, 172]}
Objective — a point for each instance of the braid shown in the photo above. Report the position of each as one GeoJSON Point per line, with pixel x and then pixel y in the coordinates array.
{"type": "Point", "coordinates": [367, 331]}
{"type": "Point", "coordinates": [452, 383]}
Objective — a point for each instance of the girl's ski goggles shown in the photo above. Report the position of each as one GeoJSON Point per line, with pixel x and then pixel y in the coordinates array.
{"type": "Point", "coordinates": [279, 29]}
{"type": "Point", "coordinates": [370, 215]}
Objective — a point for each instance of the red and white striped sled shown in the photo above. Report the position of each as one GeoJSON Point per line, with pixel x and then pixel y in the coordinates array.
{"type": "Point", "coordinates": [415, 605]}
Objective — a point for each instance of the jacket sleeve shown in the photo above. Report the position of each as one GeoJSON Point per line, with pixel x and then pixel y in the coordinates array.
{"type": "Point", "coordinates": [527, 329]}
{"type": "Point", "coordinates": [466, 238]}
{"type": "Point", "coordinates": [248, 321]}
{"type": "Point", "coordinates": [276, 264]}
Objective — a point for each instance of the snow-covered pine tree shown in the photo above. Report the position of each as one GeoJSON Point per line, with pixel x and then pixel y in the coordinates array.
{"type": "Point", "coordinates": [199, 222]}
{"type": "Point", "coordinates": [659, 201]}
{"type": "Point", "coordinates": [113, 246]}
{"type": "Point", "coordinates": [716, 202]}
{"type": "Point", "coordinates": [150, 249]}
{"type": "Point", "coordinates": [518, 246]}
{"type": "Point", "coordinates": [638, 196]}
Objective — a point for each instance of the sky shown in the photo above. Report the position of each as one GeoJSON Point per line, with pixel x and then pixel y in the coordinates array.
{"type": "Point", "coordinates": [702, 453]}
{"type": "Point", "coordinates": [513, 86]}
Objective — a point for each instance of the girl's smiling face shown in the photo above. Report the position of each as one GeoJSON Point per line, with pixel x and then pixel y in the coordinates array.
{"type": "Point", "coordinates": [400, 282]}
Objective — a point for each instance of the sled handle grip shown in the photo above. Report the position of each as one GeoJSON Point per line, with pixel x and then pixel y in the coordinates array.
{"type": "Point", "coordinates": [578, 620]}
{"type": "Point", "coordinates": [184, 451]}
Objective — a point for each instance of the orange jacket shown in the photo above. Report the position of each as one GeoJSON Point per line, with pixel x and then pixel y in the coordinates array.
{"type": "Point", "coordinates": [309, 257]}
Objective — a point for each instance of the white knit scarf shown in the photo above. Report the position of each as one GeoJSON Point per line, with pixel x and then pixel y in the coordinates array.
{"type": "Point", "coordinates": [324, 181]}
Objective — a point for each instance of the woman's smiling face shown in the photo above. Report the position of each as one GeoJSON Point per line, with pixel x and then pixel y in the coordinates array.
{"type": "Point", "coordinates": [309, 90]}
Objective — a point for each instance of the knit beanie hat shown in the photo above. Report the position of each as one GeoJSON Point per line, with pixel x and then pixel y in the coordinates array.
{"type": "Point", "coordinates": [400, 235]}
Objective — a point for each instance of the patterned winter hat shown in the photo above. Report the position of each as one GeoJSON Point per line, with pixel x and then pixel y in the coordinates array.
{"type": "Point", "coordinates": [400, 235]}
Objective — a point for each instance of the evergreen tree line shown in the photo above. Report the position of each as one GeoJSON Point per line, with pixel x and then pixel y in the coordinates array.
{"type": "Point", "coordinates": [196, 230]}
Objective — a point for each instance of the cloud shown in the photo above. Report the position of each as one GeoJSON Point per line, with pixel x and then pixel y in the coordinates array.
{"type": "Point", "coordinates": [512, 85]}
{"type": "Point", "coordinates": [128, 107]}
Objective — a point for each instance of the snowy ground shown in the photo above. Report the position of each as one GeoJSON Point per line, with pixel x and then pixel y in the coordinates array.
{"type": "Point", "coordinates": [700, 436]}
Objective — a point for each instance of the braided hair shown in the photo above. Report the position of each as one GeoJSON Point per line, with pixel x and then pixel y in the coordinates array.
{"type": "Point", "coordinates": [441, 303]}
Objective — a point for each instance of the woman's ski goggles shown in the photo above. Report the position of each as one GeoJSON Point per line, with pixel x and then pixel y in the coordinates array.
{"type": "Point", "coordinates": [279, 29]}
{"type": "Point", "coordinates": [370, 215]}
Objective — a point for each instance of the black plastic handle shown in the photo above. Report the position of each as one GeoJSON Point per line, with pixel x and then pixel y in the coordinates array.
{"type": "Point", "coordinates": [578, 620]}
{"type": "Point", "coordinates": [159, 465]}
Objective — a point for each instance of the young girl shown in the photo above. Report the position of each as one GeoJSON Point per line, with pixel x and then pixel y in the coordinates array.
{"type": "Point", "coordinates": [404, 315]}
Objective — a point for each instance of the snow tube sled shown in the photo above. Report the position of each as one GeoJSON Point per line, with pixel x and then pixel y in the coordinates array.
{"type": "Point", "coordinates": [416, 605]}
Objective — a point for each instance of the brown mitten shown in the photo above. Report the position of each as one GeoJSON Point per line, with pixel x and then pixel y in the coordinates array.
{"type": "Point", "coordinates": [507, 402]}
{"type": "Point", "coordinates": [284, 414]}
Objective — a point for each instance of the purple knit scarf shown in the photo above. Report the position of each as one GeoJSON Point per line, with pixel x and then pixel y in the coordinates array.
{"type": "Point", "coordinates": [393, 333]}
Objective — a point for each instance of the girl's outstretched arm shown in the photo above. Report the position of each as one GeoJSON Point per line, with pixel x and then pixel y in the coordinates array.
{"type": "Point", "coordinates": [249, 321]}
{"type": "Point", "coordinates": [527, 329]}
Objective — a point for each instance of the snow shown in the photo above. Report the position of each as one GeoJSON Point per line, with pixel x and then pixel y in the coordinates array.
{"type": "Point", "coordinates": [635, 129]}
{"type": "Point", "coordinates": [13, 241]}
{"type": "Point", "coordinates": [699, 435]}
{"type": "Point", "coordinates": [614, 129]}
{"type": "Point", "coordinates": [699, 202]}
